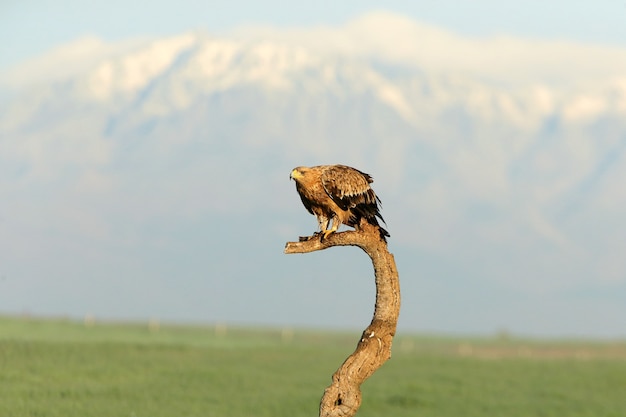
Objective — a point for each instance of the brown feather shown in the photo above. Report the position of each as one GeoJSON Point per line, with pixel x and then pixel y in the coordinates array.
{"type": "Point", "coordinates": [338, 193]}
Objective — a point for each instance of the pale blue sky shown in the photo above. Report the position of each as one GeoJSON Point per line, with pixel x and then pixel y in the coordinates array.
{"type": "Point", "coordinates": [517, 223]}
{"type": "Point", "coordinates": [31, 27]}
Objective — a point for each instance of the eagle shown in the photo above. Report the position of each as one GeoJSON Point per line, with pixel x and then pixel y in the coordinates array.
{"type": "Point", "coordinates": [340, 194]}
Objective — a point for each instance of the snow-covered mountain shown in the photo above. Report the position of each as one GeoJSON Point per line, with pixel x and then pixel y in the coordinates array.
{"type": "Point", "coordinates": [508, 179]}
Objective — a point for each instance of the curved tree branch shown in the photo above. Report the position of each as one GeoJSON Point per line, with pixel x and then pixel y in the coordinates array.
{"type": "Point", "coordinates": [343, 396]}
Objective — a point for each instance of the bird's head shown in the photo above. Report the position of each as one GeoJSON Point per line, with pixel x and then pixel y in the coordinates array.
{"type": "Point", "coordinates": [298, 173]}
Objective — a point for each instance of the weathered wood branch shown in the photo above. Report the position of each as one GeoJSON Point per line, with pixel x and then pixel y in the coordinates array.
{"type": "Point", "coordinates": [343, 396]}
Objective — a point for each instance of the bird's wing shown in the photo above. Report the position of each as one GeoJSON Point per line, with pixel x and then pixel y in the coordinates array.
{"type": "Point", "coordinates": [347, 186]}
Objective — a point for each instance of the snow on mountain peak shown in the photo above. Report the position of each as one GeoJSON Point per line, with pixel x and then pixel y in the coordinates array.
{"type": "Point", "coordinates": [129, 72]}
{"type": "Point", "coordinates": [485, 164]}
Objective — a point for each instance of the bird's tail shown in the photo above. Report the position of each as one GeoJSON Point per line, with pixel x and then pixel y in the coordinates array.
{"type": "Point", "coordinates": [371, 214]}
{"type": "Point", "coordinates": [384, 234]}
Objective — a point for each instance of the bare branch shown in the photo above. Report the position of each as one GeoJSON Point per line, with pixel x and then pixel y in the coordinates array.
{"type": "Point", "coordinates": [343, 396]}
{"type": "Point", "coordinates": [315, 242]}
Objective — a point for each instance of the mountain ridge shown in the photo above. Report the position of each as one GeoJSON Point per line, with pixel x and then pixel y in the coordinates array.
{"type": "Point", "coordinates": [189, 139]}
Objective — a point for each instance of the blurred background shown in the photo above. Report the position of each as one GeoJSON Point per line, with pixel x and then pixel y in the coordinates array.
{"type": "Point", "coordinates": [145, 151]}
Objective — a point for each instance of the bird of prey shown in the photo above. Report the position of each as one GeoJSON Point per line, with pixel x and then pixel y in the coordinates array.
{"type": "Point", "coordinates": [338, 194]}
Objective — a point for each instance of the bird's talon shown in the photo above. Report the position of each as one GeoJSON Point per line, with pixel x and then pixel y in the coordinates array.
{"type": "Point", "coordinates": [307, 238]}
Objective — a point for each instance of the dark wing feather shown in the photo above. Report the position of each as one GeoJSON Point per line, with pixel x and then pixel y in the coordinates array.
{"type": "Point", "coordinates": [347, 187]}
{"type": "Point", "coordinates": [350, 189]}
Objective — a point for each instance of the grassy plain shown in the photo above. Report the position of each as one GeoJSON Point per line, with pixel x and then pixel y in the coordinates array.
{"type": "Point", "coordinates": [64, 369]}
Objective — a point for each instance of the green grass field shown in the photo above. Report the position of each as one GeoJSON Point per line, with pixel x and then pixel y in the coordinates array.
{"type": "Point", "coordinates": [62, 369]}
